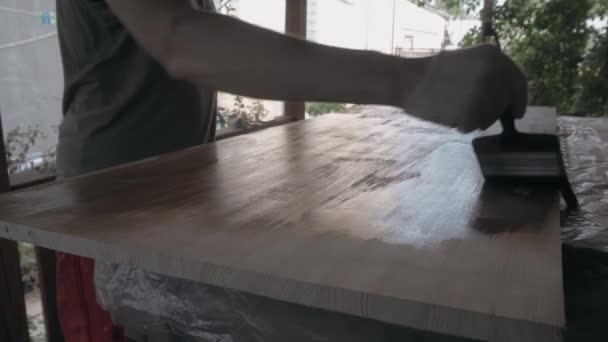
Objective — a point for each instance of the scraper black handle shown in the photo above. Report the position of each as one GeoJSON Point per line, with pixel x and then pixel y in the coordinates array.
{"type": "Point", "coordinates": [507, 120]}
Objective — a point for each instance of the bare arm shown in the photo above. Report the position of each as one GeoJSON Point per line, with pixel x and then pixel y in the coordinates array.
{"type": "Point", "coordinates": [220, 52]}
{"type": "Point", "coordinates": [467, 89]}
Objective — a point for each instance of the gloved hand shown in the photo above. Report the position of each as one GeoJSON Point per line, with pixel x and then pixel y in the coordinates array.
{"type": "Point", "coordinates": [468, 88]}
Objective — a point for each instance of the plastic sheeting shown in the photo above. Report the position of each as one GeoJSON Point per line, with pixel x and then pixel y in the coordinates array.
{"type": "Point", "coordinates": [585, 149]}
{"type": "Point", "coordinates": [171, 309]}
{"type": "Point", "coordinates": [585, 232]}
{"type": "Point", "coordinates": [178, 310]}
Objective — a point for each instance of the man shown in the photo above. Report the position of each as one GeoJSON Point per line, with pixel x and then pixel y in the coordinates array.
{"type": "Point", "coordinates": [140, 77]}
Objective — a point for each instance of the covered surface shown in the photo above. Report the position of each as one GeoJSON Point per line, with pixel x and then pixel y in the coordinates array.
{"type": "Point", "coordinates": [366, 214]}
{"type": "Point", "coordinates": [151, 304]}
{"type": "Point", "coordinates": [585, 233]}
{"type": "Point", "coordinates": [585, 149]}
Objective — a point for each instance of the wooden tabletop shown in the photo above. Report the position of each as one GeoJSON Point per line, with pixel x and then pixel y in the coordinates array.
{"type": "Point", "coordinates": [373, 214]}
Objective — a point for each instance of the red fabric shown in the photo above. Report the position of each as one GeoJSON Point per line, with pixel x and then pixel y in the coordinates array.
{"type": "Point", "coordinates": [81, 318]}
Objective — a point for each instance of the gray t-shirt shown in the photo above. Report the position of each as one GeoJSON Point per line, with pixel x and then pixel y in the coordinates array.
{"type": "Point", "coordinates": [119, 104]}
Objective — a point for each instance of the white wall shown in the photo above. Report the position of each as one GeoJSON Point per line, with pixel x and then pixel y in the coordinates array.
{"type": "Point", "coordinates": [374, 24]}
{"type": "Point", "coordinates": [379, 24]}
{"type": "Point", "coordinates": [336, 23]}
{"type": "Point", "coordinates": [266, 13]}
{"type": "Point", "coordinates": [427, 28]}
{"type": "Point", "coordinates": [361, 24]}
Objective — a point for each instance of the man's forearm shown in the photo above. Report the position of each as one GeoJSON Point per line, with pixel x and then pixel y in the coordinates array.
{"type": "Point", "coordinates": [224, 53]}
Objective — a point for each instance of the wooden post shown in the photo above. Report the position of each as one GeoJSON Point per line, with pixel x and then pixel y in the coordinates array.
{"type": "Point", "coordinates": [48, 293]}
{"type": "Point", "coordinates": [13, 319]}
{"type": "Point", "coordinates": [295, 25]}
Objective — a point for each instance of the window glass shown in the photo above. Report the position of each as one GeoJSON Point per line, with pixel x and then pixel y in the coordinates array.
{"type": "Point", "coordinates": [31, 82]}
{"type": "Point", "coordinates": [238, 111]}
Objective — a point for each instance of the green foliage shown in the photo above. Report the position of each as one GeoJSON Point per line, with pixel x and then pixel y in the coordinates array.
{"type": "Point", "coordinates": [243, 115]}
{"type": "Point", "coordinates": [257, 111]}
{"type": "Point", "coordinates": [27, 258]}
{"type": "Point", "coordinates": [225, 6]}
{"type": "Point", "coordinates": [29, 266]}
{"type": "Point", "coordinates": [320, 108]}
{"type": "Point", "coordinates": [592, 95]}
{"type": "Point", "coordinates": [18, 145]}
{"type": "Point", "coordinates": [562, 55]}
{"type": "Point", "coordinates": [548, 39]}
{"type": "Point", "coordinates": [238, 108]}
{"type": "Point", "coordinates": [471, 38]}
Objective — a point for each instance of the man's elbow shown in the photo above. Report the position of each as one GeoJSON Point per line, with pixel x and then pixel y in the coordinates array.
{"type": "Point", "coordinates": [175, 66]}
{"type": "Point", "coordinates": [167, 50]}
{"type": "Point", "coordinates": [172, 54]}
{"type": "Point", "coordinates": [157, 31]}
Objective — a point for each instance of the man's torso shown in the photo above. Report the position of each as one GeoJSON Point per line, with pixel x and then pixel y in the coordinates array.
{"type": "Point", "coordinates": [120, 105]}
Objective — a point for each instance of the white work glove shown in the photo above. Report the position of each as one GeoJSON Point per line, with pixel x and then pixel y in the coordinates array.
{"type": "Point", "coordinates": [468, 89]}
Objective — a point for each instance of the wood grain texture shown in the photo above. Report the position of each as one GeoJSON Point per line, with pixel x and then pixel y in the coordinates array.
{"type": "Point", "coordinates": [372, 214]}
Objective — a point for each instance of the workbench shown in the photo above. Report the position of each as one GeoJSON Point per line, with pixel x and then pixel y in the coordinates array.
{"type": "Point", "coordinates": [374, 215]}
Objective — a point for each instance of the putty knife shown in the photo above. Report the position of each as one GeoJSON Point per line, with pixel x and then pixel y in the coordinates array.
{"type": "Point", "coordinates": [525, 159]}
